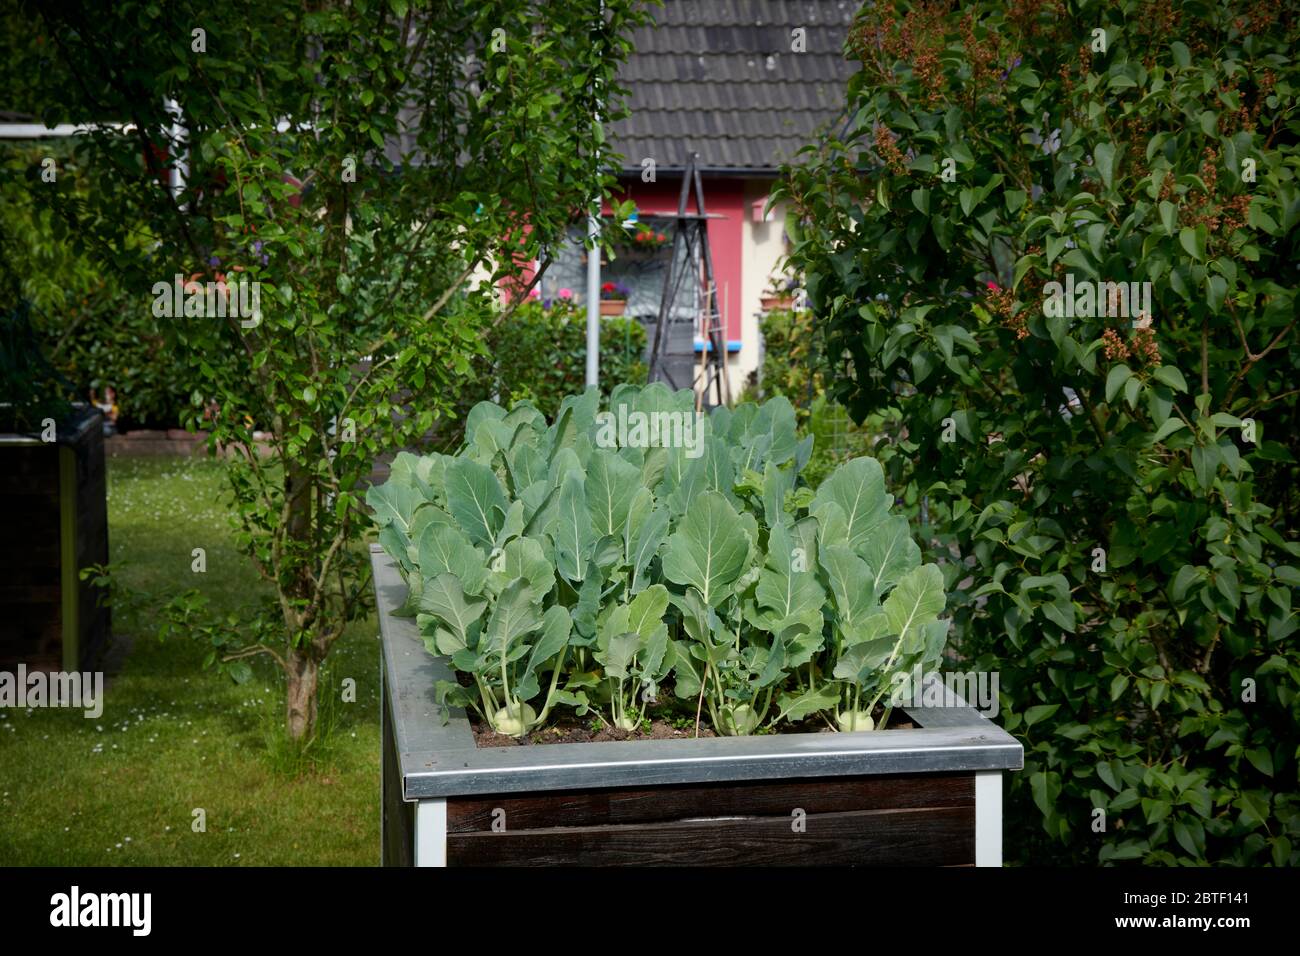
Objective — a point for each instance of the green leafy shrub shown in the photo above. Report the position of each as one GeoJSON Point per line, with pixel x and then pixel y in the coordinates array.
{"type": "Point", "coordinates": [1118, 491]}
{"type": "Point", "coordinates": [575, 564]}
{"type": "Point", "coordinates": [340, 176]}
{"type": "Point", "coordinates": [93, 333]}
{"type": "Point", "coordinates": [31, 390]}
{"type": "Point", "coordinates": [792, 367]}
{"type": "Point", "coordinates": [539, 355]}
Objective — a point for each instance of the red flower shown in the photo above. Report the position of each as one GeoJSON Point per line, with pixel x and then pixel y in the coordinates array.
{"type": "Point", "coordinates": [661, 237]}
{"type": "Point", "coordinates": [993, 285]}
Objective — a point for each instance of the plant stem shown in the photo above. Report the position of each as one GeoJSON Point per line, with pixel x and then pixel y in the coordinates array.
{"type": "Point", "coordinates": [766, 704]}
{"type": "Point", "coordinates": [699, 705]}
{"type": "Point", "coordinates": [489, 699]}
{"type": "Point", "coordinates": [893, 655]}
{"type": "Point", "coordinates": [505, 686]}
{"type": "Point", "coordinates": [555, 681]}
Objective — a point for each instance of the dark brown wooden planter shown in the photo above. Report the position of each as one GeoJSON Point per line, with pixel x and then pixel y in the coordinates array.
{"type": "Point", "coordinates": [925, 796]}
{"type": "Point", "coordinates": [53, 500]}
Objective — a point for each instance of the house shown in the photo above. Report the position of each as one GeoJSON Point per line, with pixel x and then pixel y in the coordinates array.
{"type": "Point", "coordinates": [744, 84]}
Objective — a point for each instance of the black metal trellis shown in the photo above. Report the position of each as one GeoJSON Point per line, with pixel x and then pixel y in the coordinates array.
{"type": "Point", "coordinates": [692, 234]}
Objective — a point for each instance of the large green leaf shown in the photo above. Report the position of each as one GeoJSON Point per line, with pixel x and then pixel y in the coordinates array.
{"type": "Point", "coordinates": [801, 706]}
{"type": "Point", "coordinates": [687, 672]}
{"type": "Point", "coordinates": [427, 515]}
{"type": "Point", "coordinates": [444, 598]}
{"type": "Point", "coordinates": [394, 502]}
{"type": "Point", "coordinates": [646, 611]}
{"type": "Point", "coordinates": [646, 529]}
{"type": "Point", "coordinates": [443, 549]}
{"type": "Point", "coordinates": [860, 661]}
{"type": "Point", "coordinates": [719, 473]}
{"type": "Point", "coordinates": [425, 473]}
{"type": "Point", "coordinates": [699, 620]}
{"type": "Point", "coordinates": [693, 482]}
{"type": "Point", "coordinates": [709, 549]}
{"type": "Point", "coordinates": [916, 600]}
{"type": "Point", "coordinates": [776, 483]}
{"type": "Point", "coordinates": [515, 615]}
{"type": "Point", "coordinates": [527, 467]}
{"type": "Point", "coordinates": [539, 500]}
{"type": "Point", "coordinates": [617, 654]}
{"type": "Point", "coordinates": [572, 530]}
{"type": "Point", "coordinates": [523, 558]}
{"type": "Point", "coordinates": [751, 453]}
{"type": "Point", "coordinates": [889, 552]}
{"type": "Point", "coordinates": [554, 637]}
{"type": "Point", "coordinates": [858, 488]}
{"type": "Point", "coordinates": [577, 416]}
{"type": "Point", "coordinates": [475, 500]}
{"type": "Point", "coordinates": [398, 547]}
{"type": "Point", "coordinates": [775, 421]}
{"type": "Point", "coordinates": [802, 645]}
{"type": "Point", "coordinates": [588, 606]}
{"type": "Point", "coordinates": [788, 593]}
{"type": "Point", "coordinates": [610, 487]}
{"type": "Point", "coordinates": [850, 582]}
{"type": "Point", "coordinates": [635, 634]}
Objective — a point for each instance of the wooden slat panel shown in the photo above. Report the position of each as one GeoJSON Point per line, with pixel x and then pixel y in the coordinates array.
{"type": "Point", "coordinates": [664, 804]}
{"type": "Point", "coordinates": [29, 470]}
{"type": "Point", "coordinates": [925, 837]}
{"type": "Point", "coordinates": [398, 847]}
{"type": "Point", "coordinates": [31, 555]}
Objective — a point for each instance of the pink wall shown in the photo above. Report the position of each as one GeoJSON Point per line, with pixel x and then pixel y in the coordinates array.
{"type": "Point", "coordinates": [722, 197]}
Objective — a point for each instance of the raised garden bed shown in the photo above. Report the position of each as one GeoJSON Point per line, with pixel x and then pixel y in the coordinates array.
{"type": "Point", "coordinates": [54, 499]}
{"type": "Point", "coordinates": [931, 795]}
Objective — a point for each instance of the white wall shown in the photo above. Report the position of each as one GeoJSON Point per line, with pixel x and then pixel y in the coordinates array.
{"type": "Point", "coordinates": [764, 247]}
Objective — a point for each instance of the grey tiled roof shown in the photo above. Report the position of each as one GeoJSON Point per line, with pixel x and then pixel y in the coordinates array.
{"type": "Point", "coordinates": [718, 77]}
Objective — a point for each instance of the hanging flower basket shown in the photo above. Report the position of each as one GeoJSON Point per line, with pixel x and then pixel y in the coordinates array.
{"type": "Point", "coordinates": [772, 303]}
{"type": "Point", "coordinates": [643, 244]}
{"type": "Point", "coordinates": [613, 306]}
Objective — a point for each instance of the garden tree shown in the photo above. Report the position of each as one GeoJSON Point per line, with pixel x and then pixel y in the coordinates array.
{"type": "Point", "coordinates": [377, 167]}
{"type": "Point", "coordinates": [90, 329]}
{"type": "Point", "coordinates": [1113, 491]}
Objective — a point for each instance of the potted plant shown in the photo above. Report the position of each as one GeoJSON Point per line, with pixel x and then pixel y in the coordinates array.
{"type": "Point", "coordinates": [53, 494]}
{"type": "Point", "coordinates": [780, 294]}
{"type": "Point", "coordinates": [665, 582]}
{"type": "Point", "coordinates": [613, 298]}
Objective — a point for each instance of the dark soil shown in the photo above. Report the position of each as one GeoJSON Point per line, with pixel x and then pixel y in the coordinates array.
{"type": "Point", "coordinates": [572, 730]}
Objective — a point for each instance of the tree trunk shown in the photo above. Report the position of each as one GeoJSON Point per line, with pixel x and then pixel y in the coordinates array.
{"type": "Point", "coordinates": [300, 712]}
{"type": "Point", "coordinates": [303, 661]}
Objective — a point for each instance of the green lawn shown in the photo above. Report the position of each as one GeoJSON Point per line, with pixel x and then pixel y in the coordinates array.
{"type": "Point", "coordinates": [121, 790]}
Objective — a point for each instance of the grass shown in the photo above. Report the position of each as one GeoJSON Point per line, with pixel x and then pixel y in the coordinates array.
{"type": "Point", "coordinates": [173, 738]}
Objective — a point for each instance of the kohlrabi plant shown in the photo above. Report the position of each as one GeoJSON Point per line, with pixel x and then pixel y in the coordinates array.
{"type": "Point", "coordinates": [606, 559]}
{"type": "Point", "coordinates": [886, 605]}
